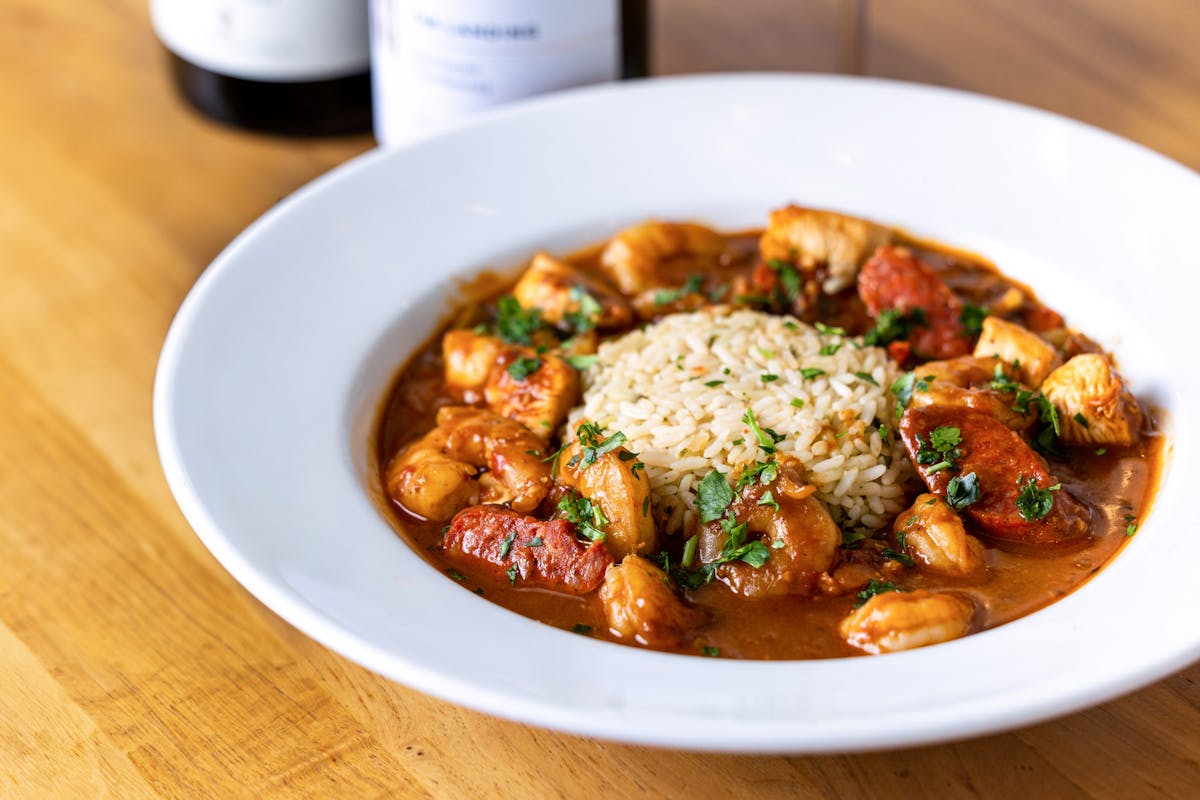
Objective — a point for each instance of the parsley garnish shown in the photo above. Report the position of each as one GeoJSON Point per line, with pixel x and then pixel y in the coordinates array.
{"type": "Point", "coordinates": [666, 296]}
{"type": "Point", "coordinates": [873, 588]}
{"type": "Point", "coordinates": [972, 317]}
{"type": "Point", "coordinates": [904, 387]}
{"type": "Point", "coordinates": [868, 377]}
{"type": "Point", "coordinates": [767, 438]}
{"type": "Point", "coordinates": [587, 312]}
{"type": "Point", "coordinates": [808, 373]}
{"type": "Point", "coordinates": [1002, 383]}
{"type": "Point", "coordinates": [522, 368]}
{"type": "Point", "coordinates": [458, 576]}
{"type": "Point", "coordinates": [829, 349]}
{"type": "Point", "coordinates": [796, 402]}
{"type": "Point", "coordinates": [512, 573]}
{"type": "Point", "coordinates": [963, 490]}
{"type": "Point", "coordinates": [579, 627]}
{"type": "Point", "coordinates": [892, 324]}
{"type": "Point", "coordinates": [534, 542]}
{"type": "Point", "coordinates": [789, 278]}
{"type": "Point", "coordinates": [768, 500]}
{"type": "Point", "coordinates": [711, 652]}
{"type": "Point", "coordinates": [1081, 419]}
{"type": "Point", "coordinates": [762, 471]}
{"type": "Point", "coordinates": [1034, 503]}
{"type": "Point", "coordinates": [592, 446]}
{"type": "Point", "coordinates": [711, 384]}
{"type": "Point", "coordinates": [581, 363]}
{"type": "Point", "coordinates": [507, 544]}
{"type": "Point", "coordinates": [769, 378]}
{"type": "Point", "coordinates": [689, 551]}
{"type": "Point", "coordinates": [942, 451]}
{"type": "Point", "coordinates": [828, 329]}
{"type": "Point", "coordinates": [586, 515]}
{"type": "Point", "coordinates": [713, 496]}
{"type": "Point", "coordinates": [515, 324]}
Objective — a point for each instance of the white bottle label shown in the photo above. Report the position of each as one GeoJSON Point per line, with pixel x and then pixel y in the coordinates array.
{"type": "Point", "coordinates": [267, 40]}
{"type": "Point", "coordinates": [435, 61]}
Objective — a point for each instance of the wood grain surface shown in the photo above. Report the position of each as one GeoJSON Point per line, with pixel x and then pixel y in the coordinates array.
{"type": "Point", "coordinates": [133, 666]}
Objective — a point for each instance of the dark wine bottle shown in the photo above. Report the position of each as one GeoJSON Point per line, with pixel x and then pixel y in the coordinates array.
{"type": "Point", "coordinates": [436, 61]}
{"type": "Point", "coordinates": [294, 67]}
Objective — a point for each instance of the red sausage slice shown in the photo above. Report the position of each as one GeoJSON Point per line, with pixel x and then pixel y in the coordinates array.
{"type": "Point", "coordinates": [1003, 464]}
{"type": "Point", "coordinates": [546, 553]}
{"type": "Point", "coordinates": [893, 278]}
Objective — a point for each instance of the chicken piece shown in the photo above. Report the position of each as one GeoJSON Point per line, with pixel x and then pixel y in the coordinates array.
{"type": "Point", "coordinates": [893, 279]}
{"type": "Point", "coordinates": [623, 495]}
{"type": "Point", "coordinates": [470, 359]}
{"type": "Point", "coordinates": [529, 552]}
{"type": "Point", "coordinates": [536, 390]}
{"type": "Point", "coordinates": [933, 535]}
{"type": "Point", "coordinates": [1017, 499]}
{"type": "Point", "coordinates": [563, 293]}
{"type": "Point", "coordinates": [895, 621]}
{"type": "Point", "coordinates": [637, 258]}
{"type": "Point", "coordinates": [436, 476]}
{"type": "Point", "coordinates": [639, 605]}
{"type": "Point", "coordinates": [1032, 355]}
{"type": "Point", "coordinates": [1094, 407]}
{"type": "Point", "coordinates": [808, 237]}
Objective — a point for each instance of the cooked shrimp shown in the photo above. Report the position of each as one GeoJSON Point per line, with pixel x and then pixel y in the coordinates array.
{"type": "Point", "coordinates": [896, 621]}
{"type": "Point", "coordinates": [635, 257]}
{"type": "Point", "coordinates": [933, 536]}
{"type": "Point", "coordinates": [623, 495]}
{"type": "Point", "coordinates": [965, 382]}
{"type": "Point", "coordinates": [1033, 355]}
{"type": "Point", "coordinates": [470, 358]}
{"type": "Point", "coordinates": [561, 291]}
{"type": "Point", "coordinates": [800, 534]}
{"type": "Point", "coordinates": [810, 237]}
{"type": "Point", "coordinates": [536, 390]}
{"type": "Point", "coordinates": [1094, 406]}
{"type": "Point", "coordinates": [639, 605]}
{"type": "Point", "coordinates": [436, 476]}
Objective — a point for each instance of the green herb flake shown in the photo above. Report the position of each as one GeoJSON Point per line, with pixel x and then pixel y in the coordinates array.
{"type": "Point", "coordinates": [1082, 420]}
{"type": "Point", "coordinates": [711, 384]}
{"type": "Point", "coordinates": [515, 324]}
{"type": "Point", "coordinates": [507, 544]}
{"type": "Point", "coordinates": [829, 349]}
{"type": "Point", "coordinates": [1101, 451]}
{"type": "Point", "coordinates": [796, 402]}
{"type": "Point", "coordinates": [972, 318]}
{"type": "Point", "coordinates": [1034, 503]}
{"type": "Point", "coordinates": [522, 368]}
{"type": "Point", "coordinates": [829, 330]}
{"type": "Point", "coordinates": [789, 278]}
{"type": "Point", "coordinates": [808, 373]}
{"type": "Point", "coordinates": [892, 324]}
{"type": "Point", "coordinates": [791, 326]}
{"type": "Point", "coordinates": [689, 551]}
{"type": "Point", "coordinates": [874, 588]}
{"type": "Point", "coordinates": [478, 590]}
{"type": "Point", "coordinates": [768, 499]}
{"type": "Point", "coordinates": [512, 573]}
{"type": "Point", "coordinates": [765, 353]}
{"type": "Point", "coordinates": [868, 377]}
{"type": "Point", "coordinates": [713, 496]}
{"type": "Point", "coordinates": [767, 438]}
{"type": "Point", "coordinates": [592, 445]}
{"type": "Point", "coordinates": [579, 627]}
{"type": "Point", "coordinates": [535, 542]}
{"type": "Point", "coordinates": [589, 520]}
{"type": "Point", "coordinates": [581, 363]}
{"type": "Point", "coordinates": [769, 378]}
{"type": "Point", "coordinates": [456, 575]}
{"type": "Point", "coordinates": [667, 296]}
{"type": "Point", "coordinates": [710, 652]}
{"type": "Point", "coordinates": [962, 491]}
{"type": "Point", "coordinates": [587, 310]}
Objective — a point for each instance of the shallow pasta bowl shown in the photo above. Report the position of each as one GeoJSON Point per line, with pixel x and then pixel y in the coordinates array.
{"type": "Point", "coordinates": [273, 372]}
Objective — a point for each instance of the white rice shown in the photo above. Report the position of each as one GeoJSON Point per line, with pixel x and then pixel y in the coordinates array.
{"type": "Point", "coordinates": [652, 385]}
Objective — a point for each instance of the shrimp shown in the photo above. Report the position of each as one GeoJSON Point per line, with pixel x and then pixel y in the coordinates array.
{"type": "Point", "coordinates": [639, 605]}
{"type": "Point", "coordinates": [1092, 402]}
{"type": "Point", "coordinates": [933, 535]}
{"type": "Point", "coordinates": [623, 495]}
{"type": "Point", "coordinates": [1034, 356]}
{"type": "Point", "coordinates": [799, 533]}
{"type": "Point", "coordinates": [810, 237]}
{"type": "Point", "coordinates": [437, 475]}
{"type": "Point", "coordinates": [563, 293]}
{"type": "Point", "coordinates": [966, 382]}
{"type": "Point", "coordinates": [637, 257]}
{"type": "Point", "coordinates": [895, 621]}
{"type": "Point", "coordinates": [536, 389]}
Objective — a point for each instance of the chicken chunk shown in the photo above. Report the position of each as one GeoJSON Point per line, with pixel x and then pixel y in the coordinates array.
{"type": "Point", "coordinates": [563, 293]}
{"type": "Point", "coordinates": [536, 390]}
{"type": "Point", "coordinates": [966, 382]}
{"type": "Point", "coordinates": [622, 493]}
{"type": "Point", "coordinates": [1032, 355]}
{"type": "Point", "coordinates": [808, 237]}
{"type": "Point", "coordinates": [1093, 405]}
{"type": "Point", "coordinates": [470, 359]}
{"type": "Point", "coordinates": [640, 257]}
{"type": "Point", "coordinates": [639, 605]}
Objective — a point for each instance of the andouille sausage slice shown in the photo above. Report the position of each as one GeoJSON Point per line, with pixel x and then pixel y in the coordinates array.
{"type": "Point", "coordinates": [546, 554]}
{"type": "Point", "coordinates": [893, 278]}
{"type": "Point", "coordinates": [1003, 464]}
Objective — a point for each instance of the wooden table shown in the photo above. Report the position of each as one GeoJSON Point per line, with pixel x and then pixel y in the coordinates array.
{"type": "Point", "coordinates": [132, 665]}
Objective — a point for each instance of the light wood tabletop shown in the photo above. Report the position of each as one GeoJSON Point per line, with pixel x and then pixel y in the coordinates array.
{"type": "Point", "coordinates": [133, 666]}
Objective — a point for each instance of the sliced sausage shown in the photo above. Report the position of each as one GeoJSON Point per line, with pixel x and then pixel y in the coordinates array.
{"type": "Point", "coordinates": [894, 278]}
{"type": "Point", "coordinates": [1003, 464]}
{"type": "Point", "coordinates": [546, 554]}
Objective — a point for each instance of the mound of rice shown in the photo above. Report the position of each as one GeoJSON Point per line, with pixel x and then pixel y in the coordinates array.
{"type": "Point", "coordinates": [680, 389]}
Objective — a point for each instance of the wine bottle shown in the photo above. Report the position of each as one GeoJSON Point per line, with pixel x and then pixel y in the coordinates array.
{"type": "Point", "coordinates": [435, 61]}
{"type": "Point", "coordinates": [297, 67]}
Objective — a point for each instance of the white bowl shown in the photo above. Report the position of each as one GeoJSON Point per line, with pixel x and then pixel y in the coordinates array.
{"type": "Point", "coordinates": [274, 370]}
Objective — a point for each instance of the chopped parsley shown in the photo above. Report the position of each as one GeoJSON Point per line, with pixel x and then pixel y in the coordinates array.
{"type": "Point", "coordinates": [579, 627]}
{"type": "Point", "coordinates": [587, 312]}
{"type": "Point", "coordinates": [768, 499]}
{"type": "Point", "coordinates": [581, 362]}
{"type": "Point", "coordinates": [456, 575]}
{"type": "Point", "coordinates": [767, 438]}
{"type": "Point", "coordinates": [1081, 419]}
{"type": "Point", "coordinates": [1034, 503]}
{"type": "Point", "coordinates": [828, 329]}
{"type": "Point", "coordinates": [689, 551]}
{"type": "Point", "coordinates": [874, 588]}
{"type": "Point", "coordinates": [789, 278]}
{"type": "Point", "coordinates": [535, 542]}
{"type": "Point", "coordinates": [1001, 382]}
{"type": "Point", "coordinates": [905, 385]}
{"type": "Point", "coordinates": [962, 491]}
{"type": "Point", "coordinates": [762, 471]}
{"type": "Point", "coordinates": [512, 573]}
{"type": "Point", "coordinates": [711, 384]}
{"type": "Point", "coordinates": [829, 349]}
{"type": "Point", "coordinates": [667, 296]}
{"type": "Point", "coordinates": [796, 402]}
{"type": "Point", "coordinates": [522, 368]}
{"type": "Point", "coordinates": [586, 515]}
{"type": "Point", "coordinates": [769, 378]}
{"type": "Point", "coordinates": [507, 544]}
{"type": "Point", "coordinates": [592, 446]}
{"type": "Point", "coordinates": [765, 353]}
{"type": "Point", "coordinates": [808, 373]}
{"type": "Point", "coordinates": [868, 377]}
{"type": "Point", "coordinates": [942, 451]}
{"type": "Point", "coordinates": [1101, 451]}
{"type": "Point", "coordinates": [892, 324]}
{"type": "Point", "coordinates": [515, 324]}
{"type": "Point", "coordinates": [972, 318]}
{"type": "Point", "coordinates": [713, 496]}
{"type": "Point", "coordinates": [711, 652]}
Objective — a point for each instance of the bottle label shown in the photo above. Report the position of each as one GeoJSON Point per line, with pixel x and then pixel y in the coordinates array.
{"type": "Point", "coordinates": [267, 40]}
{"type": "Point", "coordinates": [435, 61]}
